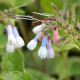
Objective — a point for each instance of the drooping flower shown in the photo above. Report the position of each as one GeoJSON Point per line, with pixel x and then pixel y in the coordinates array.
{"type": "Point", "coordinates": [50, 52]}
{"type": "Point", "coordinates": [43, 51]}
{"type": "Point", "coordinates": [33, 43]}
{"type": "Point", "coordinates": [19, 40]}
{"type": "Point", "coordinates": [11, 40]}
{"type": "Point", "coordinates": [56, 36]}
{"type": "Point", "coordinates": [10, 34]}
{"type": "Point", "coordinates": [39, 28]}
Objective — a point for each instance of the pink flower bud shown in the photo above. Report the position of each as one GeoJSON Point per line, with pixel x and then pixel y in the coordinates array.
{"type": "Point", "coordinates": [56, 36]}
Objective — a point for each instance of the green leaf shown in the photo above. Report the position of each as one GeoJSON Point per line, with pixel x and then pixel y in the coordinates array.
{"type": "Point", "coordinates": [3, 38]}
{"type": "Point", "coordinates": [71, 68]}
{"type": "Point", "coordinates": [14, 3]}
{"type": "Point", "coordinates": [47, 7]}
{"type": "Point", "coordinates": [74, 66]}
{"type": "Point", "coordinates": [16, 75]}
{"type": "Point", "coordinates": [39, 75]}
{"type": "Point", "coordinates": [52, 64]}
{"type": "Point", "coordinates": [12, 61]}
{"type": "Point", "coordinates": [68, 45]}
{"type": "Point", "coordinates": [61, 70]}
{"type": "Point", "coordinates": [1, 78]}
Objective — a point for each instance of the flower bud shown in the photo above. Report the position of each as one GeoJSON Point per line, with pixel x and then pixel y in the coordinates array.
{"type": "Point", "coordinates": [56, 36]}
{"type": "Point", "coordinates": [39, 28]}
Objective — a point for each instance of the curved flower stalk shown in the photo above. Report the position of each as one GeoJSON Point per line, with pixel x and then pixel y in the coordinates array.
{"type": "Point", "coordinates": [11, 40]}
{"type": "Point", "coordinates": [56, 36]}
{"type": "Point", "coordinates": [19, 41]}
{"type": "Point", "coordinates": [39, 28]}
{"type": "Point", "coordinates": [40, 38]}
{"type": "Point", "coordinates": [33, 43]}
{"type": "Point", "coordinates": [50, 52]}
{"type": "Point", "coordinates": [43, 51]}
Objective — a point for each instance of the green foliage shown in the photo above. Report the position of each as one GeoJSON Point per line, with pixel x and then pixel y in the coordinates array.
{"type": "Point", "coordinates": [16, 75]}
{"type": "Point", "coordinates": [1, 79]}
{"type": "Point", "coordinates": [3, 38]}
{"type": "Point", "coordinates": [18, 2]}
{"type": "Point", "coordinates": [70, 68]}
{"type": "Point", "coordinates": [74, 66]}
{"type": "Point", "coordinates": [12, 64]}
{"type": "Point", "coordinates": [12, 61]}
{"type": "Point", "coordinates": [15, 3]}
{"type": "Point", "coordinates": [49, 8]}
{"type": "Point", "coordinates": [39, 75]}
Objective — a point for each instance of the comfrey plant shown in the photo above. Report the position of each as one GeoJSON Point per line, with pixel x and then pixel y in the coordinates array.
{"type": "Point", "coordinates": [70, 30]}
{"type": "Point", "coordinates": [55, 24]}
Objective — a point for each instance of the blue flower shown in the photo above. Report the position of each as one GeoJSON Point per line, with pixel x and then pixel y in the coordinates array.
{"type": "Point", "coordinates": [43, 51]}
{"type": "Point", "coordinates": [33, 43]}
{"type": "Point", "coordinates": [11, 40]}
{"type": "Point", "coordinates": [19, 40]}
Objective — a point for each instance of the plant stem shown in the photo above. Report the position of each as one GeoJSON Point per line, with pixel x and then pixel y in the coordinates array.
{"type": "Point", "coordinates": [35, 62]}
{"type": "Point", "coordinates": [45, 66]}
{"type": "Point", "coordinates": [22, 29]}
{"type": "Point", "coordinates": [65, 58]}
{"type": "Point", "coordinates": [38, 7]}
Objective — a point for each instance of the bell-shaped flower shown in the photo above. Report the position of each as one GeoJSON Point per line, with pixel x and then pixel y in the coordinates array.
{"type": "Point", "coordinates": [50, 52]}
{"type": "Point", "coordinates": [39, 28]}
{"type": "Point", "coordinates": [43, 51]}
{"type": "Point", "coordinates": [10, 34]}
{"type": "Point", "coordinates": [33, 43]}
{"type": "Point", "coordinates": [19, 40]}
{"type": "Point", "coordinates": [10, 47]}
{"type": "Point", "coordinates": [56, 36]}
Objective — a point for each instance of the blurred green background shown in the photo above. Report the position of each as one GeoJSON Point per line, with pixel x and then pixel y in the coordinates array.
{"type": "Point", "coordinates": [23, 64]}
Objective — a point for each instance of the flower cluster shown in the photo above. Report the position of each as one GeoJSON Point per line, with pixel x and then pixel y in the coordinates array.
{"type": "Point", "coordinates": [41, 31]}
{"type": "Point", "coordinates": [46, 49]}
{"type": "Point", "coordinates": [14, 39]}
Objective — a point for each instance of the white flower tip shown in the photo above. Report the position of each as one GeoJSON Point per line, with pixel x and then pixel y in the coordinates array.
{"type": "Point", "coordinates": [10, 48]}
{"type": "Point", "coordinates": [42, 52]}
{"type": "Point", "coordinates": [32, 45]}
{"type": "Point", "coordinates": [19, 42]}
{"type": "Point", "coordinates": [50, 53]}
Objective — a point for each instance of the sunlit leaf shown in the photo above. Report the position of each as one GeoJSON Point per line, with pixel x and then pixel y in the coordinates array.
{"type": "Point", "coordinates": [39, 75]}
{"type": "Point", "coordinates": [16, 76]}
{"type": "Point", "coordinates": [12, 61]}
